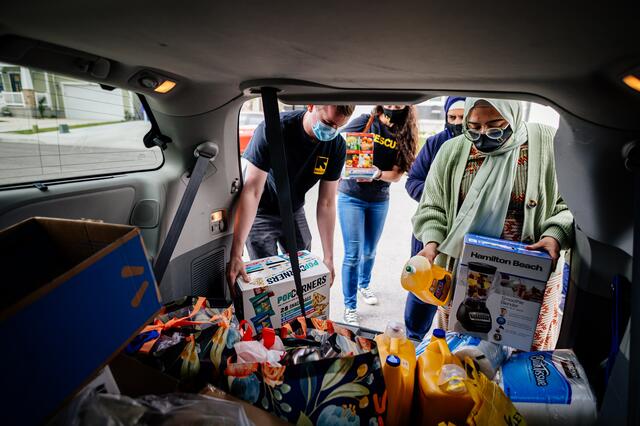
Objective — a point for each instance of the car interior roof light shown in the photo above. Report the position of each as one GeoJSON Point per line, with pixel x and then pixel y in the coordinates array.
{"type": "Point", "coordinates": [165, 86]}
{"type": "Point", "coordinates": [632, 81]}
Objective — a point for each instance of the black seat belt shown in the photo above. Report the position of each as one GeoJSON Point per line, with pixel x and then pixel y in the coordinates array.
{"type": "Point", "coordinates": [205, 153]}
{"type": "Point", "coordinates": [275, 140]}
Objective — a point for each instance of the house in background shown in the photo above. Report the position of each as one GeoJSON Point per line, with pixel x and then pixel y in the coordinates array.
{"type": "Point", "coordinates": [26, 92]}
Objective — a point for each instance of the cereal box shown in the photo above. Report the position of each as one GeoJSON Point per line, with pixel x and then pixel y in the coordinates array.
{"type": "Point", "coordinates": [359, 162]}
{"type": "Point", "coordinates": [499, 290]}
{"type": "Point", "coordinates": [270, 298]}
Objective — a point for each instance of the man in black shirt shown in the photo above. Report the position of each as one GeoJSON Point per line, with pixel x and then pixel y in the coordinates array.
{"type": "Point", "coordinates": [315, 152]}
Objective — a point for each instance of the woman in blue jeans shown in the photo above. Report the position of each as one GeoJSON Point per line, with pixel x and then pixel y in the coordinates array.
{"type": "Point", "coordinates": [363, 204]}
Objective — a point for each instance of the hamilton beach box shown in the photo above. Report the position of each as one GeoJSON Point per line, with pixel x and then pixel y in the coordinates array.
{"type": "Point", "coordinates": [270, 299]}
{"type": "Point", "coordinates": [74, 293]}
{"type": "Point", "coordinates": [499, 291]}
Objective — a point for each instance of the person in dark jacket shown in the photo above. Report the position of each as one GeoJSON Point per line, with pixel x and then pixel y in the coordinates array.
{"type": "Point", "coordinates": [417, 314]}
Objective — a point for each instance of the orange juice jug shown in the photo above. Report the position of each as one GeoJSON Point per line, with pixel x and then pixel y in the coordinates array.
{"type": "Point", "coordinates": [442, 394]}
{"type": "Point", "coordinates": [430, 283]}
{"type": "Point", "coordinates": [398, 357]}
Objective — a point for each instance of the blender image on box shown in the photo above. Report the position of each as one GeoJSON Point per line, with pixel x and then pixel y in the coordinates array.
{"type": "Point", "coordinates": [473, 313]}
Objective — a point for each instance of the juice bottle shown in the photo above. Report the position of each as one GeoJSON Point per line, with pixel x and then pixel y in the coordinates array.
{"type": "Point", "coordinates": [443, 396]}
{"type": "Point", "coordinates": [398, 357]}
{"type": "Point", "coordinates": [430, 283]}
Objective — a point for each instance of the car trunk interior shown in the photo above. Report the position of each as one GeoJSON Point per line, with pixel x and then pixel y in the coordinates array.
{"type": "Point", "coordinates": [221, 55]}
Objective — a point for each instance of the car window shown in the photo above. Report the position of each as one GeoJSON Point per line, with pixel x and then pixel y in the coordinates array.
{"type": "Point", "coordinates": [251, 119]}
{"type": "Point", "coordinates": [431, 116]}
{"type": "Point", "coordinates": [55, 127]}
{"type": "Point", "coordinates": [251, 116]}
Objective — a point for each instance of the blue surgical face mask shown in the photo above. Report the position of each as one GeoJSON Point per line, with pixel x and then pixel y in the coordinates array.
{"type": "Point", "coordinates": [324, 132]}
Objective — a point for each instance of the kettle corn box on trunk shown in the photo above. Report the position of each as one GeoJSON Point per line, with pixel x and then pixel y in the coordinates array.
{"type": "Point", "coordinates": [270, 298]}
{"type": "Point", "coordinates": [499, 290]}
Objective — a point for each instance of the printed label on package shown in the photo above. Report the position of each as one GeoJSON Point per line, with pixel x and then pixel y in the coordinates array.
{"type": "Point", "coordinates": [534, 377]}
{"type": "Point", "coordinates": [270, 299]}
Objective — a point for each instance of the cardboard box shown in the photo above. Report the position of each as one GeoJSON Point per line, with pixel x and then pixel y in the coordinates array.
{"type": "Point", "coordinates": [255, 414]}
{"type": "Point", "coordinates": [499, 291]}
{"type": "Point", "coordinates": [74, 293]}
{"type": "Point", "coordinates": [136, 379]}
{"type": "Point", "coordinates": [270, 298]}
{"type": "Point", "coordinates": [359, 161]}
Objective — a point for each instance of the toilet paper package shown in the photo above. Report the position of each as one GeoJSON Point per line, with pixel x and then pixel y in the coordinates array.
{"type": "Point", "coordinates": [489, 356]}
{"type": "Point", "coordinates": [548, 388]}
{"type": "Point", "coordinates": [499, 291]}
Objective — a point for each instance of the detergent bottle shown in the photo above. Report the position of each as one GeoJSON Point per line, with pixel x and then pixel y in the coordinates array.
{"type": "Point", "coordinates": [443, 395]}
{"type": "Point", "coordinates": [430, 283]}
{"type": "Point", "coordinates": [398, 357]}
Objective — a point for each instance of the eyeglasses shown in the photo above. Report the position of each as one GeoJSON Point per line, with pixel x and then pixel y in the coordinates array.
{"type": "Point", "coordinates": [493, 133]}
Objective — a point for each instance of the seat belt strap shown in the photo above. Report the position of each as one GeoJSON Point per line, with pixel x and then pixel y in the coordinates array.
{"type": "Point", "coordinates": [273, 132]}
{"type": "Point", "coordinates": [205, 153]}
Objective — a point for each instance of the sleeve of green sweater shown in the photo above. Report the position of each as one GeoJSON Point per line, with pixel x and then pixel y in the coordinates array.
{"type": "Point", "coordinates": [430, 220]}
{"type": "Point", "coordinates": [559, 225]}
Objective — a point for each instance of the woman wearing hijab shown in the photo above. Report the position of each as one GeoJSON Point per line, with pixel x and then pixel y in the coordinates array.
{"type": "Point", "coordinates": [498, 179]}
{"type": "Point", "coordinates": [363, 205]}
{"type": "Point", "coordinates": [418, 315]}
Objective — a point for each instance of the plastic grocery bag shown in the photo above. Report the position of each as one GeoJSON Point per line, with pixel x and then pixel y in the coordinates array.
{"type": "Point", "coordinates": [171, 409]}
{"type": "Point", "coordinates": [491, 405]}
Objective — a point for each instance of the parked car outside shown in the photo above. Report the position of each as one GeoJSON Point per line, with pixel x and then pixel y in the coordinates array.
{"type": "Point", "coordinates": [246, 126]}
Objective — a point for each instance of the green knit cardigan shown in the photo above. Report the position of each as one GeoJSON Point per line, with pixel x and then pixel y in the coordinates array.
{"type": "Point", "coordinates": [545, 213]}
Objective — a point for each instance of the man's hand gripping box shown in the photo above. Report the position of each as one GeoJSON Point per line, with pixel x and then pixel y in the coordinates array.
{"type": "Point", "coordinates": [270, 298]}
{"type": "Point", "coordinates": [499, 290]}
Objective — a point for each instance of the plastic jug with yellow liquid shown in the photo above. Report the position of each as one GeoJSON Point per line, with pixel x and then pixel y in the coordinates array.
{"type": "Point", "coordinates": [443, 395]}
{"type": "Point", "coordinates": [398, 357]}
{"type": "Point", "coordinates": [430, 283]}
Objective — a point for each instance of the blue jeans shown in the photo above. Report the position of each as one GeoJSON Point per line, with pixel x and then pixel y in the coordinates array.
{"type": "Point", "coordinates": [418, 317]}
{"type": "Point", "coordinates": [362, 223]}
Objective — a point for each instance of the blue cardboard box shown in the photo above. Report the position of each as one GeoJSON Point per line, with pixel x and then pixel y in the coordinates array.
{"type": "Point", "coordinates": [73, 294]}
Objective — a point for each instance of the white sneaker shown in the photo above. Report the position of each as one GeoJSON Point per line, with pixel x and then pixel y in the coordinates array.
{"type": "Point", "coordinates": [351, 317]}
{"type": "Point", "coordinates": [368, 296]}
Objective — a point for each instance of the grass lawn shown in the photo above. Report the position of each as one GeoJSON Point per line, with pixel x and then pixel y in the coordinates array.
{"type": "Point", "coordinates": [55, 129]}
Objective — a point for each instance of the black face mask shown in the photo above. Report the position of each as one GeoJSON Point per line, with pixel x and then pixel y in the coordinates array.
{"type": "Point", "coordinates": [487, 144]}
{"type": "Point", "coordinates": [454, 129]}
{"type": "Point", "coordinates": [396, 116]}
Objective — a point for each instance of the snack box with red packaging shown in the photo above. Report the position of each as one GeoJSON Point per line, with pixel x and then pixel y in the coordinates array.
{"type": "Point", "coordinates": [359, 161]}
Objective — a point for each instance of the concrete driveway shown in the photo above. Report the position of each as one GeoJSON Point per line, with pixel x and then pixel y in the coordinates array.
{"type": "Point", "coordinates": [107, 148]}
{"type": "Point", "coordinates": [394, 250]}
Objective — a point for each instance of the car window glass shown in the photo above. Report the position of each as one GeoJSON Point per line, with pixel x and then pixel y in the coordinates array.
{"type": "Point", "coordinates": [54, 127]}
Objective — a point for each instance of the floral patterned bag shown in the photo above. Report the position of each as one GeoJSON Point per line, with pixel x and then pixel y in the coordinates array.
{"type": "Point", "coordinates": [344, 390]}
{"type": "Point", "coordinates": [191, 343]}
